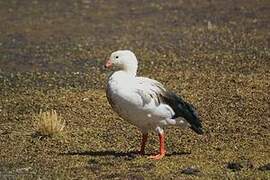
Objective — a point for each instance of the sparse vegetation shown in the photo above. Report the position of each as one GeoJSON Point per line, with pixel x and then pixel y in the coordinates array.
{"type": "Point", "coordinates": [49, 123]}
{"type": "Point", "coordinates": [214, 53]}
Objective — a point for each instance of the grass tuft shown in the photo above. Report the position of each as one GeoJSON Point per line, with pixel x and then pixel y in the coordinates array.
{"type": "Point", "coordinates": [49, 123]}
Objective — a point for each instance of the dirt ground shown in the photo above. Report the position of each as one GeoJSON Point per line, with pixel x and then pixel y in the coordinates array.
{"type": "Point", "coordinates": [213, 53]}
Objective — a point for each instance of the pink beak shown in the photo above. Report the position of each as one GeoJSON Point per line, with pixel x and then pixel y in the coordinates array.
{"type": "Point", "coordinates": [108, 63]}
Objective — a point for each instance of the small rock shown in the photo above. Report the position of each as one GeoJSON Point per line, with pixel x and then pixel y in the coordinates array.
{"type": "Point", "coordinates": [235, 166]}
{"type": "Point", "coordinates": [265, 167]}
{"type": "Point", "coordinates": [190, 171]}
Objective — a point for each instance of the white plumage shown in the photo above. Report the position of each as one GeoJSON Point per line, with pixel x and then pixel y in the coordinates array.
{"type": "Point", "coordinates": [145, 102]}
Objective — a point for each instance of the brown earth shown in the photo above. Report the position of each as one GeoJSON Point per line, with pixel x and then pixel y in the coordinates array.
{"type": "Point", "coordinates": [214, 53]}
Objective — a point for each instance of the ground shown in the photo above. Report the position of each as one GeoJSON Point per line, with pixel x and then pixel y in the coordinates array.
{"type": "Point", "coordinates": [215, 54]}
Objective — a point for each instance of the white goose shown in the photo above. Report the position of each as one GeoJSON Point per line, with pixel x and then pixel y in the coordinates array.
{"type": "Point", "coordinates": [145, 102]}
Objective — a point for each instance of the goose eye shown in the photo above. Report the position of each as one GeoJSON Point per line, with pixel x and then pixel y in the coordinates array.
{"type": "Point", "coordinates": [116, 57]}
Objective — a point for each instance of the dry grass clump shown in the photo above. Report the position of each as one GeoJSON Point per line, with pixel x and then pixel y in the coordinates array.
{"type": "Point", "coordinates": [49, 123]}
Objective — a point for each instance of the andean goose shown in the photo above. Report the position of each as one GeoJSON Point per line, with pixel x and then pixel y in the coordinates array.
{"type": "Point", "coordinates": [145, 102]}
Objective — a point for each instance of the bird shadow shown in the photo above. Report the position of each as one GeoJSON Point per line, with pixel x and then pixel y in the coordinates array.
{"type": "Point", "coordinates": [183, 153]}
{"type": "Point", "coordinates": [100, 153]}
{"type": "Point", "coordinates": [130, 154]}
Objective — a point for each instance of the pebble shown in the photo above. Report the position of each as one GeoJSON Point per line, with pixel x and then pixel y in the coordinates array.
{"type": "Point", "coordinates": [190, 171]}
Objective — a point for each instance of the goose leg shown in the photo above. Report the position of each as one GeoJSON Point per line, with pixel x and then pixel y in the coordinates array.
{"type": "Point", "coordinates": [144, 139]}
{"type": "Point", "coordinates": [162, 150]}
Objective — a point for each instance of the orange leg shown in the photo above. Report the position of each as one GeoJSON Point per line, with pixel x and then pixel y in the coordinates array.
{"type": "Point", "coordinates": [162, 150]}
{"type": "Point", "coordinates": [144, 139]}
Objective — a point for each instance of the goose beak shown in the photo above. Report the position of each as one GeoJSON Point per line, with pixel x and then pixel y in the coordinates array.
{"type": "Point", "coordinates": [108, 63]}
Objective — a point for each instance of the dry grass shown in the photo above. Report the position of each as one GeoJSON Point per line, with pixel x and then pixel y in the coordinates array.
{"type": "Point", "coordinates": [213, 53]}
{"type": "Point", "coordinates": [49, 123]}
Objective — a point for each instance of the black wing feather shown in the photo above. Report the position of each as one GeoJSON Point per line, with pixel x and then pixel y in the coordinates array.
{"type": "Point", "coordinates": [183, 109]}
